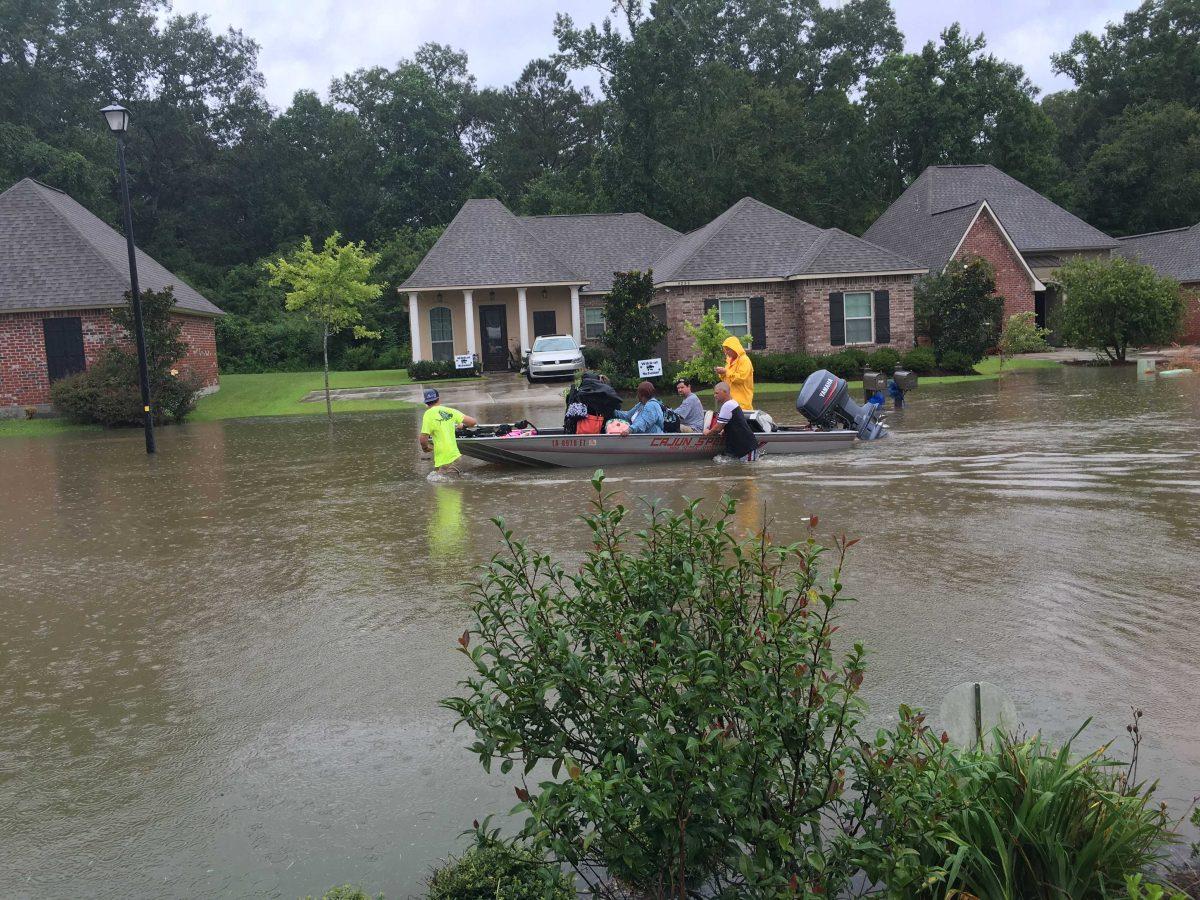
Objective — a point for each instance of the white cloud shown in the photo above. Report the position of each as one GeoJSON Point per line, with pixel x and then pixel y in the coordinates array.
{"type": "Point", "coordinates": [306, 44]}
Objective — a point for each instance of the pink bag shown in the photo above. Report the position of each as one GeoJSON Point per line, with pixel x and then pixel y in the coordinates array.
{"type": "Point", "coordinates": [617, 426]}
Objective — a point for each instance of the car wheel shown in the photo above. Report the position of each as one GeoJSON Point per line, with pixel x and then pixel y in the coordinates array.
{"type": "Point", "coordinates": [529, 377]}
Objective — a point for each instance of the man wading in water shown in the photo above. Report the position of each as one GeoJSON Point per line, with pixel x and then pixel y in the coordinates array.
{"type": "Point", "coordinates": [437, 432]}
{"type": "Point", "coordinates": [740, 442]}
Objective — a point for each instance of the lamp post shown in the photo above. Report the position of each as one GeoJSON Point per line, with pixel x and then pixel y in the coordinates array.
{"type": "Point", "coordinates": [118, 121]}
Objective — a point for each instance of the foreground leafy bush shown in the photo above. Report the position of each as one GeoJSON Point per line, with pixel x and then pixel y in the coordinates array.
{"type": "Point", "coordinates": [428, 369]}
{"type": "Point", "coordinates": [707, 337]}
{"type": "Point", "coordinates": [681, 693]}
{"type": "Point", "coordinates": [493, 870]}
{"type": "Point", "coordinates": [346, 892]}
{"type": "Point", "coordinates": [109, 392]}
{"type": "Point", "coordinates": [921, 360]}
{"type": "Point", "coordinates": [959, 309]}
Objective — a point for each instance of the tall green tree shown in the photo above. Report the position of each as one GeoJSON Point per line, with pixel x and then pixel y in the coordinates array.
{"type": "Point", "coordinates": [954, 103]}
{"type": "Point", "coordinates": [331, 288]}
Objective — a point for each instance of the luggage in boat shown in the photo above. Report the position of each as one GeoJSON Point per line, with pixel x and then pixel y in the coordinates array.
{"type": "Point", "coordinates": [670, 421]}
{"type": "Point", "coordinates": [591, 424]}
{"type": "Point", "coordinates": [617, 426]}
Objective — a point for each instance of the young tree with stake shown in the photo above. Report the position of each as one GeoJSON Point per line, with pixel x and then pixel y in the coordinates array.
{"type": "Point", "coordinates": [329, 287]}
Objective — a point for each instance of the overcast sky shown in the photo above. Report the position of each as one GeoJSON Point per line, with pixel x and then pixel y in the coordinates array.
{"type": "Point", "coordinates": [307, 43]}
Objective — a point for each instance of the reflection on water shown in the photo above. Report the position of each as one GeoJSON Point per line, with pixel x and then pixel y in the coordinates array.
{"type": "Point", "coordinates": [220, 668]}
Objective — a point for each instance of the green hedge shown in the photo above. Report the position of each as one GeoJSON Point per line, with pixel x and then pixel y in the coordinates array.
{"type": "Point", "coordinates": [429, 369]}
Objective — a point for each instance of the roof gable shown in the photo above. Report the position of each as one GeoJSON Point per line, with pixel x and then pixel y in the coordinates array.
{"type": "Point", "coordinates": [55, 254]}
{"type": "Point", "coordinates": [485, 245]}
{"type": "Point", "coordinates": [599, 244]}
{"type": "Point", "coordinates": [1174, 253]}
{"type": "Point", "coordinates": [928, 220]}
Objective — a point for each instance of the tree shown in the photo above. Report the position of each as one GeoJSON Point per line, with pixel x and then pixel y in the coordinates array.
{"type": "Point", "coordinates": [1113, 304]}
{"type": "Point", "coordinates": [959, 309]}
{"type": "Point", "coordinates": [330, 287]}
{"type": "Point", "coordinates": [1145, 173]}
{"type": "Point", "coordinates": [954, 103]}
{"type": "Point", "coordinates": [631, 329]}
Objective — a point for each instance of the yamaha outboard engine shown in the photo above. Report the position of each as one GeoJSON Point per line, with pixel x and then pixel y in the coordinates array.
{"type": "Point", "coordinates": [825, 402]}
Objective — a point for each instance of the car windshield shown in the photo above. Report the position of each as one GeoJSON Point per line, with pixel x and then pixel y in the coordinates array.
{"type": "Point", "coordinates": [554, 343]}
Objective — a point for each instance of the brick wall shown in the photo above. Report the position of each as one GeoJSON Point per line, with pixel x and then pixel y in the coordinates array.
{"type": "Point", "coordinates": [1191, 313]}
{"type": "Point", "coordinates": [686, 304]}
{"type": "Point", "coordinates": [814, 297]}
{"type": "Point", "coordinates": [1012, 281]}
{"type": "Point", "coordinates": [24, 380]}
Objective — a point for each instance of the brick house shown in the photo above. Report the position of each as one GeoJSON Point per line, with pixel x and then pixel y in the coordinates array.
{"type": "Point", "coordinates": [62, 271]}
{"type": "Point", "coordinates": [950, 212]}
{"type": "Point", "coordinates": [1175, 254]}
{"type": "Point", "coordinates": [790, 285]}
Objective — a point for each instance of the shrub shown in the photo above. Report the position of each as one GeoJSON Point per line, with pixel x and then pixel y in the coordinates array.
{"type": "Point", "coordinates": [959, 309]}
{"type": "Point", "coordinates": [885, 359]}
{"type": "Point", "coordinates": [359, 358]}
{"type": "Point", "coordinates": [596, 355]}
{"type": "Point", "coordinates": [1022, 335]}
{"type": "Point", "coordinates": [782, 368]}
{"type": "Point", "coordinates": [429, 369]}
{"type": "Point", "coordinates": [707, 336]}
{"type": "Point", "coordinates": [846, 364]}
{"type": "Point", "coordinates": [956, 362]}
{"type": "Point", "coordinates": [346, 892]}
{"type": "Point", "coordinates": [1110, 305]}
{"type": "Point", "coordinates": [1022, 819]}
{"type": "Point", "coordinates": [493, 870]}
{"type": "Point", "coordinates": [921, 360]}
{"type": "Point", "coordinates": [681, 691]}
{"type": "Point", "coordinates": [109, 392]}
{"type": "Point", "coordinates": [287, 344]}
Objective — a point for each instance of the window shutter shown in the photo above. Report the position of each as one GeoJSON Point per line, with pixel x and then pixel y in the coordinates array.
{"type": "Point", "coordinates": [710, 304]}
{"type": "Point", "coordinates": [837, 320]}
{"type": "Point", "coordinates": [883, 317]}
{"type": "Point", "coordinates": [758, 323]}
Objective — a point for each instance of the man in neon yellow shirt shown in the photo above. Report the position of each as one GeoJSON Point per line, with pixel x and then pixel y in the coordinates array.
{"type": "Point", "coordinates": [437, 431]}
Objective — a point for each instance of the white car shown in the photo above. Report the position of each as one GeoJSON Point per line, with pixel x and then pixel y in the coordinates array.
{"type": "Point", "coordinates": [554, 356]}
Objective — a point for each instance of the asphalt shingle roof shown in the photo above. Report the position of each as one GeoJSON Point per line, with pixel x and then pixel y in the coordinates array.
{"type": "Point", "coordinates": [600, 244]}
{"type": "Point", "coordinates": [1174, 253]}
{"type": "Point", "coordinates": [486, 245]}
{"type": "Point", "coordinates": [54, 254]}
{"type": "Point", "coordinates": [928, 220]}
{"type": "Point", "coordinates": [751, 240]}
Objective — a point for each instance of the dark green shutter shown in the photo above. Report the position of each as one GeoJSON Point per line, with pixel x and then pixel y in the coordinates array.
{"type": "Point", "coordinates": [837, 320]}
{"type": "Point", "coordinates": [883, 317]}
{"type": "Point", "coordinates": [710, 304]}
{"type": "Point", "coordinates": [758, 323]}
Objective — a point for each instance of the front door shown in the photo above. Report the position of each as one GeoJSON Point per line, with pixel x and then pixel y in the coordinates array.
{"type": "Point", "coordinates": [493, 330]}
{"type": "Point", "coordinates": [64, 346]}
{"type": "Point", "coordinates": [543, 322]}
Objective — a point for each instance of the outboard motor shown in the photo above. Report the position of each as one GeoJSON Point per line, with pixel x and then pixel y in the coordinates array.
{"type": "Point", "coordinates": [825, 402]}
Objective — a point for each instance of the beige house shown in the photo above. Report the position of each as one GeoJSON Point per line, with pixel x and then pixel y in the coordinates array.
{"type": "Point", "coordinates": [495, 281]}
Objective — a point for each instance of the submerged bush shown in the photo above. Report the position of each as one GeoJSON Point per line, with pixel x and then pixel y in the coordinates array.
{"type": "Point", "coordinates": [681, 693]}
{"type": "Point", "coordinates": [493, 870]}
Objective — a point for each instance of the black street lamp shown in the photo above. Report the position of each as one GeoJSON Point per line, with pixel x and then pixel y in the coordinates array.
{"type": "Point", "coordinates": [118, 121]}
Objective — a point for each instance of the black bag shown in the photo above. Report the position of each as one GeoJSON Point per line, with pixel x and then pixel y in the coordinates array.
{"type": "Point", "coordinates": [670, 421]}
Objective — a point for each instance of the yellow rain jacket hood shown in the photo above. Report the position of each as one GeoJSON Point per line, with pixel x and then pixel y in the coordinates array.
{"type": "Point", "coordinates": [739, 374]}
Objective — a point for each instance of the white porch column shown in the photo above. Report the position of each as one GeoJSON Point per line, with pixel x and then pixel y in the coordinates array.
{"type": "Point", "coordinates": [575, 330]}
{"type": "Point", "coordinates": [523, 318]}
{"type": "Point", "coordinates": [414, 326]}
{"type": "Point", "coordinates": [469, 312]}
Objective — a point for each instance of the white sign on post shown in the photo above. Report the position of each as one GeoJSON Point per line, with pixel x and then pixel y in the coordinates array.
{"type": "Point", "coordinates": [464, 361]}
{"type": "Point", "coordinates": [650, 368]}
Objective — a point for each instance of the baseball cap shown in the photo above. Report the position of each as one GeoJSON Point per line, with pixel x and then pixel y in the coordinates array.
{"type": "Point", "coordinates": [431, 395]}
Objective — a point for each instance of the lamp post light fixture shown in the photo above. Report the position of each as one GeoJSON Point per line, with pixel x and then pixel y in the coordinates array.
{"type": "Point", "coordinates": [117, 118]}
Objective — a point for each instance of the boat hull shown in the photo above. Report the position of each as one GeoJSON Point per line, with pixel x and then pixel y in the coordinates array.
{"type": "Point", "coordinates": [597, 451]}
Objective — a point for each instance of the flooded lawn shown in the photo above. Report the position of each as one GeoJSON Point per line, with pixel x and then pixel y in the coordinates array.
{"type": "Point", "coordinates": [219, 669]}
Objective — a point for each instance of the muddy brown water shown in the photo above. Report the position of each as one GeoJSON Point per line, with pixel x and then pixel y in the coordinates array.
{"type": "Point", "coordinates": [219, 669]}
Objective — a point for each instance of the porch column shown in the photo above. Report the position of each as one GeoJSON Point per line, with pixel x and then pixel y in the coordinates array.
{"type": "Point", "coordinates": [469, 312]}
{"type": "Point", "coordinates": [414, 326]}
{"type": "Point", "coordinates": [523, 318]}
{"type": "Point", "coordinates": [575, 315]}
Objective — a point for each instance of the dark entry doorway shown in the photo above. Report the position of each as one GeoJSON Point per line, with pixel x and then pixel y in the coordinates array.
{"type": "Point", "coordinates": [64, 346]}
{"type": "Point", "coordinates": [493, 331]}
{"type": "Point", "coordinates": [544, 323]}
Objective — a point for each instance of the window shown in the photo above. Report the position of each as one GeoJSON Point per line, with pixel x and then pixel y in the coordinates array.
{"type": "Point", "coordinates": [860, 323]}
{"type": "Point", "coordinates": [593, 322]}
{"type": "Point", "coordinates": [735, 316]}
{"type": "Point", "coordinates": [441, 333]}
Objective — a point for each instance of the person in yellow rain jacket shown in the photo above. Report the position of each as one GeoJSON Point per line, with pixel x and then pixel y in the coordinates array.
{"type": "Point", "coordinates": [738, 372]}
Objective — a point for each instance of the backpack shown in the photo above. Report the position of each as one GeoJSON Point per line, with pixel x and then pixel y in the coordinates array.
{"type": "Point", "coordinates": [670, 421]}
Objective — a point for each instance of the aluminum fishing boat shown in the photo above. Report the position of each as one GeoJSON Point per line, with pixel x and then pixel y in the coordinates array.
{"type": "Point", "coordinates": [556, 448]}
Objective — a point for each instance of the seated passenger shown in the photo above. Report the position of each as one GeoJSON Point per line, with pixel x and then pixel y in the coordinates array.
{"type": "Point", "coordinates": [646, 417]}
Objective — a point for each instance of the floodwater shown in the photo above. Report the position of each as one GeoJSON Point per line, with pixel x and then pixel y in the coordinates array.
{"type": "Point", "coordinates": [220, 668]}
